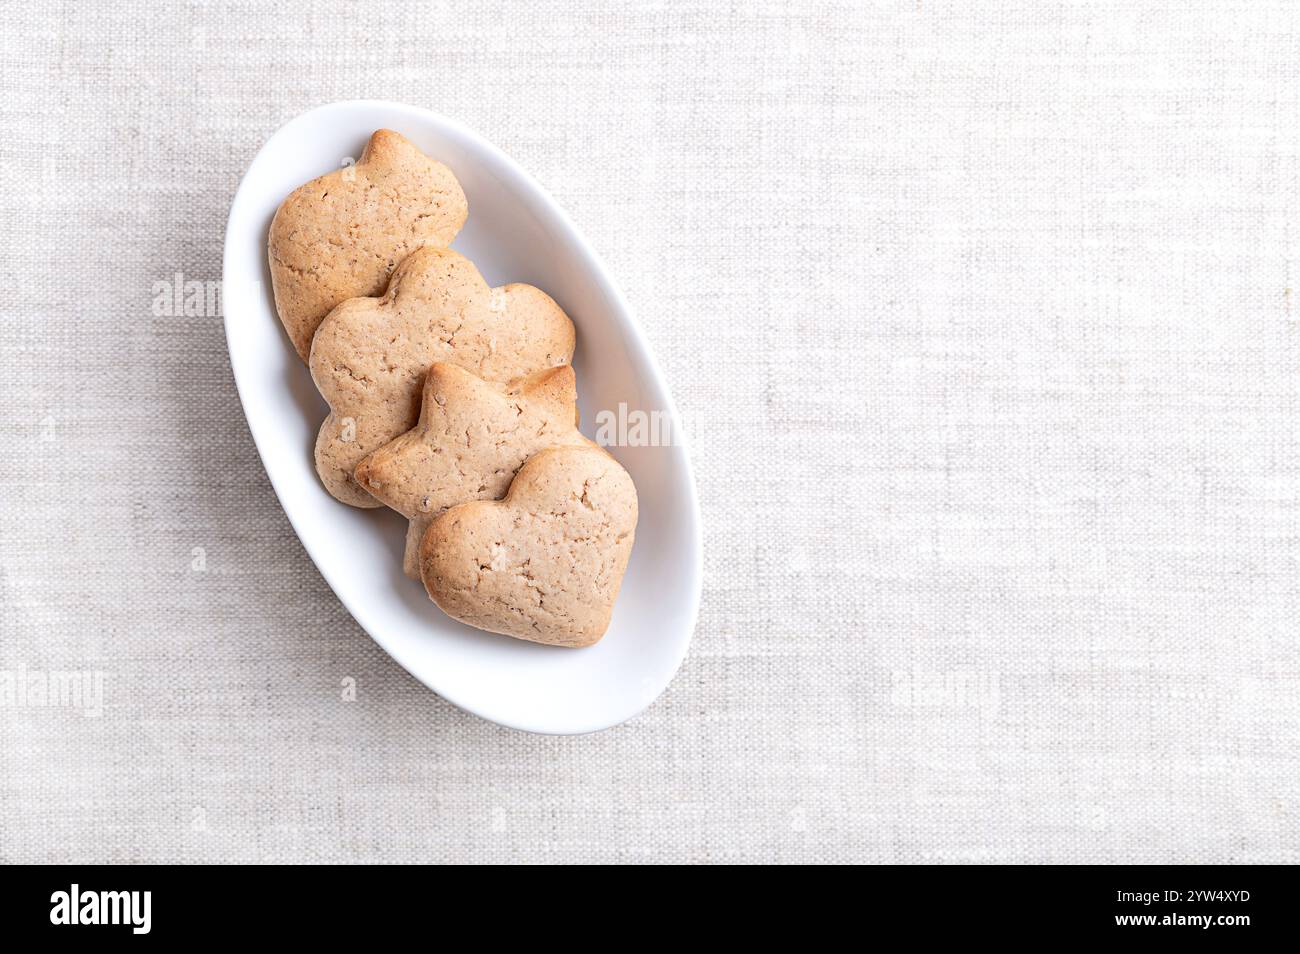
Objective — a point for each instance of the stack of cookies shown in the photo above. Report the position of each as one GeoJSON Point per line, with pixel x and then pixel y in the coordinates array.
{"type": "Point", "coordinates": [451, 402]}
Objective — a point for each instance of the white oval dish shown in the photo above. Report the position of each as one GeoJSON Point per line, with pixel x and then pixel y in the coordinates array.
{"type": "Point", "coordinates": [515, 233]}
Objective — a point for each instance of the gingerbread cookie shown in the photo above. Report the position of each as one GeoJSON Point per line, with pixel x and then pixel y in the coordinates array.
{"type": "Point", "coordinates": [370, 355]}
{"type": "Point", "coordinates": [545, 563]}
{"type": "Point", "coordinates": [341, 236]}
{"type": "Point", "coordinates": [471, 438]}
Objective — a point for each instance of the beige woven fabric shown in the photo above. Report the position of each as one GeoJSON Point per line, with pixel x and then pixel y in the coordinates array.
{"type": "Point", "coordinates": [983, 321]}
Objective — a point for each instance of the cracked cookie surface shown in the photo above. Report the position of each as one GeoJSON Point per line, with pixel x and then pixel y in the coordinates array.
{"type": "Point", "coordinates": [545, 563]}
{"type": "Point", "coordinates": [370, 355]}
{"type": "Point", "coordinates": [471, 439]}
{"type": "Point", "coordinates": [340, 236]}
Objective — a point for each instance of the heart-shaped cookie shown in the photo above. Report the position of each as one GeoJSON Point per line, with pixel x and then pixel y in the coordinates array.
{"type": "Point", "coordinates": [544, 564]}
{"type": "Point", "coordinates": [341, 236]}
{"type": "Point", "coordinates": [472, 438]}
{"type": "Point", "coordinates": [370, 355]}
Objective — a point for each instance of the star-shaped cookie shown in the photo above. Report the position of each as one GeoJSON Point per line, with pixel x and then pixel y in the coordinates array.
{"type": "Point", "coordinates": [471, 439]}
{"type": "Point", "coordinates": [370, 355]}
{"type": "Point", "coordinates": [341, 236]}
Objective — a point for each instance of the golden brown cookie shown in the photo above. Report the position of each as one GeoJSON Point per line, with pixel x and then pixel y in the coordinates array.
{"type": "Point", "coordinates": [471, 439]}
{"type": "Point", "coordinates": [341, 236]}
{"type": "Point", "coordinates": [545, 563]}
{"type": "Point", "coordinates": [370, 355]}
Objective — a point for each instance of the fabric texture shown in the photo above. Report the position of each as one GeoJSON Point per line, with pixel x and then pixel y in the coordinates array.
{"type": "Point", "coordinates": [983, 322]}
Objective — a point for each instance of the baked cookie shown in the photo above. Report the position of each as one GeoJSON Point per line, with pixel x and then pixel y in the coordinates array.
{"type": "Point", "coordinates": [545, 563]}
{"type": "Point", "coordinates": [341, 236]}
{"type": "Point", "coordinates": [471, 439]}
{"type": "Point", "coordinates": [370, 355]}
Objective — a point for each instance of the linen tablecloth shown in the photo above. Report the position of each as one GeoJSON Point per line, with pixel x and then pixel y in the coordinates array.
{"type": "Point", "coordinates": [982, 319]}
